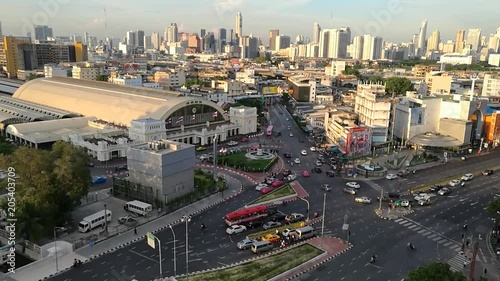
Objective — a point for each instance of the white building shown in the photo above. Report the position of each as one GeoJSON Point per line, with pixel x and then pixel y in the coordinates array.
{"type": "Point", "coordinates": [126, 49]}
{"type": "Point", "coordinates": [372, 47]}
{"type": "Point", "coordinates": [336, 68]}
{"type": "Point", "coordinates": [491, 85]}
{"type": "Point", "coordinates": [86, 72]}
{"type": "Point", "coordinates": [128, 80]}
{"type": "Point", "coordinates": [171, 79]}
{"type": "Point", "coordinates": [457, 59]}
{"type": "Point", "coordinates": [282, 42]}
{"type": "Point", "coordinates": [52, 70]}
{"type": "Point", "coordinates": [245, 117]}
{"type": "Point", "coordinates": [374, 110]}
{"type": "Point", "coordinates": [494, 59]}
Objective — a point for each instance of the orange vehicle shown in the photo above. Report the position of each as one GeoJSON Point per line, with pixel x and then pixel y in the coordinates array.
{"type": "Point", "coordinates": [273, 238]}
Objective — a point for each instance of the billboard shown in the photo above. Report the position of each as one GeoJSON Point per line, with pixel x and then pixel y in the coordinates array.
{"type": "Point", "coordinates": [417, 116]}
{"type": "Point", "coordinates": [270, 90]}
{"type": "Point", "coordinates": [359, 141]}
{"type": "Point", "coordinates": [493, 130]}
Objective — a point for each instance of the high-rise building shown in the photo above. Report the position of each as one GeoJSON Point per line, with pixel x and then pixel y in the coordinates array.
{"type": "Point", "coordinates": [299, 39]}
{"type": "Point", "coordinates": [474, 38]}
{"type": "Point", "coordinates": [194, 43]}
{"type": "Point", "coordinates": [155, 40]}
{"type": "Point", "coordinates": [203, 32]}
{"type": "Point", "coordinates": [172, 33]}
{"type": "Point", "coordinates": [139, 38]}
{"type": "Point", "coordinates": [81, 52]}
{"type": "Point", "coordinates": [1, 36]}
{"type": "Point", "coordinates": [86, 38]}
{"type": "Point", "coordinates": [459, 42]}
{"type": "Point", "coordinates": [148, 43]}
{"type": "Point", "coordinates": [282, 42]}
{"type": "Point", "coordinates": [422, 35]}
{"type": "Point", "coordinates": [12, 54]}
{"type": "Point", "coordinates": [209, 43]}
{"type": "Point", "coordinates": [316, 32]}
{"type": "Point", "coordinates": [357, 48]}
{"type": "Point", "coordinates": [333, 42]}
{"type": "Point", "coordinates": [434, 40]}
{"type": "Point", "coordinates": [494, 43]}
{"type": "Point", "coordinates": [131, 38]}
{"type": "Point", "coordinates": [273, 33]}
{"type": "Point", "coordinates": [239, 25]}
{"type": "Point", "coordinates": [222, 34]}
{"type": "Point", "coordinates": [372, 47]}
{"type": "Point", "coordinates": [483, 41]}
{"type": "Point", "coordinates": [249, 47]}
{"type": "Point", "coordinates": [42, 32]}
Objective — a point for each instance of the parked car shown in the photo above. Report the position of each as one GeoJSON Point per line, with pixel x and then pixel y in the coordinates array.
{"type": "Point", "coordinates": [487, 172]}
{"type": "Point", "coordinates": [288, 231]}
{"type": "Point", "coordinates": [319, 163]}
{"type": "Point", "coordinates": [303, 152]}
{"type": "Point", "coordinates": [353, 185]}
{"type": "Point", "coordinates": [296, 161]}
{"type": "Point", "coordinates": [317, 170]}
{"type": "Point", "coordinates": [364, 200]}
{"type": "Point", "coordinates": [279, 216]}
{"type": "Point", "coordinates": [454, 183]}
{"type": "Point", "coordinates": [128, 220]}
{"type": "Point", "coordinates": [326, 187]}
{"type": "Point", "coordinates": [331, 174]}
{"type": "Point", "coordinates": [260, 186]}
{"type": "Point", "coordinates": [273, 238]}
{"type": "Point", "coordinates": [271, 224]}
{"type": "Point", "coordinates": [245, 244]}
{"type": "Point", "coordinates": [232, 143]}
{"type": "Point", "coordinates": [99, 180]}
{"type": "Point", "coordinates": [295, 217]}
{"type": "Point", "coordinates": [277, 183]}
{"type": "Point", "coordinates": [254, 224]}
{"type": "Point", "coordinates": [444, 191]}
{"type": "Point", "coordinates": [266, 190]}
{"type": "Point", "coordinates": [402, 203]}
{"type": "Point", "coordinates": [350, 190]}
{"type": "Point", "coordinates": [467, 177]}
{"type": "Point", "coordinates": [313, 148]}
{"type": "Point", "coordinates": [287, 155]}
{"type": "Point", "coordinates": [235, 229]}
{"type": "Point", "coordinates": [436, 188]}
{"type": "Point", "coordinates": [391, 176]}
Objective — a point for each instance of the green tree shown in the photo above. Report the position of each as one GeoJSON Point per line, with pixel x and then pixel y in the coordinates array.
{"type": "Point", "coordinates": [250, 103]}
{"type": "Point", "coordinates": [286, 98]}
{"type": "Point", "coordinates": [33, 76]}
{"type": "Point", "coordinates": [102, 77]}
{"type": "Point", "coordinates": [261, 60]}
{"type": "Point", "coordinates": [29, 222]}
{"type": "Point", "coordinates": [398, 85]}
{"type": "Point", "coordinates": [6, 147]}
{"type": "Point", "coordinates": [435, 272]}
{"type": "Point", "coordinates": [191, 57]}
{"type": "Point", "coordinates": [494, 206]}
{"type": "Point", "coordinates": [375, 79]}
{"type": "Point", "coordinates": [352, 71]}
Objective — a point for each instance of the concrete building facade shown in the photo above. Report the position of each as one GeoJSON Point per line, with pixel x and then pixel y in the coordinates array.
{"type": "Point", "coordinates": [374, 110]}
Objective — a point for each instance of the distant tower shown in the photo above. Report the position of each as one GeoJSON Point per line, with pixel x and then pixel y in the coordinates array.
{"type": "Point", "coordinates": [422, 36]}
{"type": "Point", "coordinates": [1, 36]}
{"type": "Point", "coordinates": [239, 25]}
{"type": "Point", "coordinates": [316, 32]}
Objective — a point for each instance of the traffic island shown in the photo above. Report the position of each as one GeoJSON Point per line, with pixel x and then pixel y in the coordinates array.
{"type": "Point", "coordinates": [282, 193]}
{"type": "Point", "coordinates": [392, 214]}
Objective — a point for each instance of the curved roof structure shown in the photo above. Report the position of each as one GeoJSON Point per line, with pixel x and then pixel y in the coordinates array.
{"type": "Point", "coordinates": [435, 140]}
{"type": "Point", "coordinates": [112, 103]}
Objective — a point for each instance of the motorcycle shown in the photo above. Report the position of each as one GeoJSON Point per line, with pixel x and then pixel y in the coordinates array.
{"type": "Point", "coordinates": [373, 258]}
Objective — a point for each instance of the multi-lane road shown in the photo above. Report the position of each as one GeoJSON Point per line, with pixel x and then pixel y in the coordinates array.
{"type": "Point", "coordinates": [434, 230]}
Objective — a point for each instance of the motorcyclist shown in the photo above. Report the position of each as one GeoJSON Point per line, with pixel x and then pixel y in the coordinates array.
{"type": "Point", "coordinates": [373, 258]}
{"type": "Point", "coordinates": [203, 226]}
{"type": "Point", "coordinates": [410, 246]}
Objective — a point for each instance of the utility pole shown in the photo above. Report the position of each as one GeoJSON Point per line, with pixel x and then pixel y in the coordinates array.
{"type": "Point", "coordinates": [215, 157]}
{"type": "Point", "coordinates": [323, 219]}
{"type": "Point", "coordinates": [473, 262]}
{"type": "Point", "coordinates": [380, 199]}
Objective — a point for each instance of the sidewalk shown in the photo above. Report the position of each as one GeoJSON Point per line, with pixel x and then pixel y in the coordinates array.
{"type": "Point", "coordinates": [46, 267]}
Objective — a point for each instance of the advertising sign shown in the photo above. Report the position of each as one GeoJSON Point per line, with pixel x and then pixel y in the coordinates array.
{"type": "Point", "coordinates": [359, 141]}
{"type": "Point", "coordinates": [417, 116]}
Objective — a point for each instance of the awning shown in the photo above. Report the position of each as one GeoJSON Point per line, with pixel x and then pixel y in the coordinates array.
{"type": "Point", "coordinates": [435, 140]}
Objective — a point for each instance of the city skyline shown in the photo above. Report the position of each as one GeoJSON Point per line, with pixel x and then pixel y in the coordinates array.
{"type": "Point", "coordinates": [375, 17]}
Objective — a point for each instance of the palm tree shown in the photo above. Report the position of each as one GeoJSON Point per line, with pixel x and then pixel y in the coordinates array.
{"type": "Point", "coordinates": [29, 222]}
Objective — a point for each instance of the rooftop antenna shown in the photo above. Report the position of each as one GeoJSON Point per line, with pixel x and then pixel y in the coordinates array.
{"type": "Point", "coordinates": [331, 18]}
{"type": "Point", "coordinates": [106, 30]}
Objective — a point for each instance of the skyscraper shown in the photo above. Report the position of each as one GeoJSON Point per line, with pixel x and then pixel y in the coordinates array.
{"type": "Point", "coordinates": [203, 32]}
{"type": "Point", "coordinates": [239, 25]}
{"type": "Point", "coordinates": [422, 35]}
{"type": "Point", "coordinates": [222, 34]}
{"type": "Point", "coordinates": [42, 32]}
{"type": "Point", "coordinates": [1, 36]}
{"type": "Point", "coordinates": [139, 38]}
{"type": "Point", "coordinates": [493, 43]}
{"type": "Point", "coordinates": [434, 40]}
{"type": "Point", "coordinates": [459, 42]}
{"type": "Point", "coordinates": [131, 38]}
{"type": "Point", "coordinates": [358, 47]}
{"type": "Point", "coordinates": [372, 47]}
{"type": "Point", "coordinates": [282, 42]}
{"type": "Point", "coordinates": [316, 32]}
{"type": "Point", "coordinates": [273, 33]}
{"type": "Point", "coordinates": [172, 33]}
{"type": "Point", "coordinates": [155, 40]}
{"type": "Point", "coordinates": [148, 43]}
{"type": "Point", "coordinates": [333, 42]}
{"type": "Point", "coordinates": [474, 38]}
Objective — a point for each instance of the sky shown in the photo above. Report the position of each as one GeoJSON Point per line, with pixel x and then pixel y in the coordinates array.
{"type": "Point", "coordinates": [394, 20]}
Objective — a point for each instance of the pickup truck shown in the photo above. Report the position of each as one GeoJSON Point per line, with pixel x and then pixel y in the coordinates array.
{"type": "Point", "coordinates": [294, 218]}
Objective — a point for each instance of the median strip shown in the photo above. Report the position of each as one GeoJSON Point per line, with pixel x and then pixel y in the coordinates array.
{"type": "Point", "coordinates": [273, 230]}
{"type": "Point", "coordinates": [285, 190]}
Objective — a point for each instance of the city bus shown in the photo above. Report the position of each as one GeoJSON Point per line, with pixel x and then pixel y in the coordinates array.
{"type": "Point", "coordinates": [93, 221]}
{"type": "Point", "coordinates": [138, 207]}
{"type": "Point", "coordinates": [269, 130]}
{"type": "Point", "coordinates": [247, 215]}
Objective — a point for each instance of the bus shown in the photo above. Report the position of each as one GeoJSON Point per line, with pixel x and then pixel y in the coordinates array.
{"type": "Point", "coordinates": [248, 215]}
{"type": "Point", "coordinates": [95, 220]}
{"type": "Point", "coordinates": [138, 207]}
{"type": "Point", "coordinates": [269, 130]}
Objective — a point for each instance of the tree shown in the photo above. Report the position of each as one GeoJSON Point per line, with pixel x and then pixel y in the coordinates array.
{"type": "Point", "coordinates": [102, 77]}
{"type": "Point", "coordinates": [375, 79]}
{"type": "Point", "coordinates": [352, 71]}
{"type": "Point", "coordinates": [32, 76]}
{"type": "Point", "coordinates": [30, 222]}
{"type": "Point", "coordinates": [250, 103]}
{"type": "Point", "coordinates": [398, 85]}
{"type": "Point", "coordinates": [435, 271]}
{"type": "Point", "coordinates": [494, 206]}
{"type": "Point", "coordinates": [261, 60]}
{"type": "Point", "coordinates": [286, 98]}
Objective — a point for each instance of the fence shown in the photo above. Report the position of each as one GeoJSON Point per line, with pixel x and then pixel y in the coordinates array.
{"type": "Point", "coordinates": [28, 248]}
{"type": "Point", "coordinates": [94, 197]}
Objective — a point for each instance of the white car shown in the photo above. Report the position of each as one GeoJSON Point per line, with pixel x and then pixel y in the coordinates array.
{"type": "Point", "coordinates": [467, 177]}
{"type": "Point", "coordinates": [296, 161]}
{"type": "Point", "coordinates": [235, 229]}
{"type": "Point", "coordinates": [454, 182]}
{"type": "Point", "coordinates": [421, 196]}
{"type": "Point", "coordinates": [291, 177]}
{"type": "Point", "coordinates": [319, 163]}
{"type": "Point", "coordinates": [353, 185]}
{"type": "Point", "coordinates": [303, 152]}
{"type": "Point", "coordinates": [232, 143]}
{"type": "Point", "coordinates": [313, 148]}
{"type": "Point", "coordinates": [260, 186]}
{"type": "Point", "coordinates": [326, 187]}
{"type": "Point", "coordinates": [287, 232]}
{"type": "Point", "coordinates": [291, 134]}
{"type": "Point", "coordinates": [391, 176]}
{"type": "Point", "coordinates": [444, 191]}
{"type": "Point", "coordinates": [364, 200]}
{"type": "Point", "coordinates": [223, 150]}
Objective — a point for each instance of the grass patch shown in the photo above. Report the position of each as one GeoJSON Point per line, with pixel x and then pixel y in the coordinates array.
{"type": "Point", "coordinates": [239, 161]}
{"type": "Point", "coordinates": [294, 225]}
{"type": "Point", "coordinates": [283, 191]}
{"type": "Point", "coordinates": [262, 269]}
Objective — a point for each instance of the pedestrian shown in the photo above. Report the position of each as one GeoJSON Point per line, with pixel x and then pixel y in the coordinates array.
{"type": "Point", "coordinates": [135, 230]}
{"type": "Point", "coordinates": [465, 264]}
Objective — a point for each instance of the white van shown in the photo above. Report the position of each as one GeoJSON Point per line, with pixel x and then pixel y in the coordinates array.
{"type": "Point", "coordinates": [138, 207]}
{"type": "Point", "coordinates": [261, 246]}
{"type": "Point", "coordinates": [306, 232]}
{"type": "Point", "coordinates": [95, 220]}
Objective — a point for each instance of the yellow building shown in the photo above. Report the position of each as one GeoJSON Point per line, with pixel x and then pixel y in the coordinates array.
{"type": "Point", "coordinates": [11, 49]}
{"type": "Point", "coordinates": [438, 83]}
{"type": "Point", "coordinates": [80, 52]}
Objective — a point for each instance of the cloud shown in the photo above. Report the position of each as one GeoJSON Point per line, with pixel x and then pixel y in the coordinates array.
{"type": "Point", "coordinates": [96, 22]}
{"type": "Point", "coordinates": [224, 7]}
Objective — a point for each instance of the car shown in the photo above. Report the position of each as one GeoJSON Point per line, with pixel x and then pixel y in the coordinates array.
{"type": "Point", "coordinates": [353, 185]}
{"type": "Point", "coordinates": [313, 148]}
{"type": "Point", "coordinates": [288, 119]}
{"type": "Point", "coordinates": [331, 174]}
{"type": "Point", "coordinates": [235, 229]}
{"type": "Point", "coordinates": [305, 174]}
{"type": "Point", "coordinates": [245, 244]}
{"type": "Point", "coordinates": [232, 143]}
{"type": "Point", "coordinates": [278, 134]}
{"type": "Point", "coordinates": [279, 216]}
{"type": "Point", "coordinates": [319, 163]}
{"type": "Point", "coordinates": [270, 180]}
{"type": "Point", "coordinates": [454, 183]}
{"type": "Point", "coordinates": [271, 224]}
{"type": "Point", "coordinates": [277, 183]}
{"type": "Point", "coordinates": [425, 202]}
{"type": "Point", "coordinates": [301, 140]}
{"type": "Point", "coordinates": [317, 170]}
{"type": "Point", "coordinates": [421, 196]}
{"type": "Point", "coordinates": [391, 176]}
{"type": "Point", "coordinates": [364, 200]}
{"type": "Point", "coordinates": [294, 217]}
{"type": "Point", "coordinates": [464, 158]}
{"type": "Point", "coordinates": [289, 231]}
{"type": "Point", "coordinates": [260, 186]}
{"type": "Point", "coordinates": [289, 127]}
{"type": "Point", "coordinates": [266, 190]}
{"type": "Point", "coordinates": [350, 190]}
{"type": "Point", "coordinates": [401, 203]}
{"type": "Point", "coordinates": [291, 177]}
{"type": "Point", "coordinates": [467, 177]}
{"type": "Point", "coordinates": [287, 155]}
{"type": "Point", "coordinates": [326, 187]}
{"type": "Point", "coordinates": [436, 188]}
{"type": "Point", "coordinates": [444, 191]}
{"type": "Point", "coordinates": [296, 161]}
{"type": "Point", "coordinates": [244, 140]}
{"type": "Point", "coordinates": [201, 148]}
{"type": "Point", "coordinates": [254, 224]}
{"type": "Point", "coordinates": [273, 238]}
{"type": "Point", "coordinates": [286, 173]}
{"type": "Point", "coordinates": [281, 113]}
{"type": "Point", "coordinates": [223, 150]}
{"type": "Point", "coordinates": [291, 134]}
{"type": "Point", "coordinates": [487, 172]}
{"type": "Point", "coordinates": [303, 152]}
{"type": "Point", "coordinates": [99, 180]}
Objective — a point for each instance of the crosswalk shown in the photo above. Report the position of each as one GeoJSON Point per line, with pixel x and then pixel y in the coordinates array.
{"type": "Point", "coordinates": [374, 185]}
{"type": "Point", "coordinates": [458, 262]}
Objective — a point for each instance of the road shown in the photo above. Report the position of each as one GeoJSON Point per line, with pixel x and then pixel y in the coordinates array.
{"type": "Point", "coordinates": [370, 235]}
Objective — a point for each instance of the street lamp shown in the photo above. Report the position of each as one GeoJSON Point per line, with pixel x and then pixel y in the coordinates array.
{"type": "Point", "coordinates": [55, 245]}
{"type": "Point", "coordinates": [307, 207]}
{"type": "Point", "coordinates": [187, 219]}
{"type": "Point", "coordinates": [323, 219]}
{"type": "Point", "coordinates": [214, 140]}
{"type": "Point", "coordinates": [175, 259]}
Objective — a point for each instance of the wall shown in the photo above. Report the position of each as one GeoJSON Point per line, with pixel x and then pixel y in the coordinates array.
{"type": "Point", "coordinates": [459, 129]}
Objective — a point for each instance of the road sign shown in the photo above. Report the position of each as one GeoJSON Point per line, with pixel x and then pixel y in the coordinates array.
{"type": "Point", "coordinates": [345, 226]}
{"type": "Point", "coordinates": [151, 240]}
